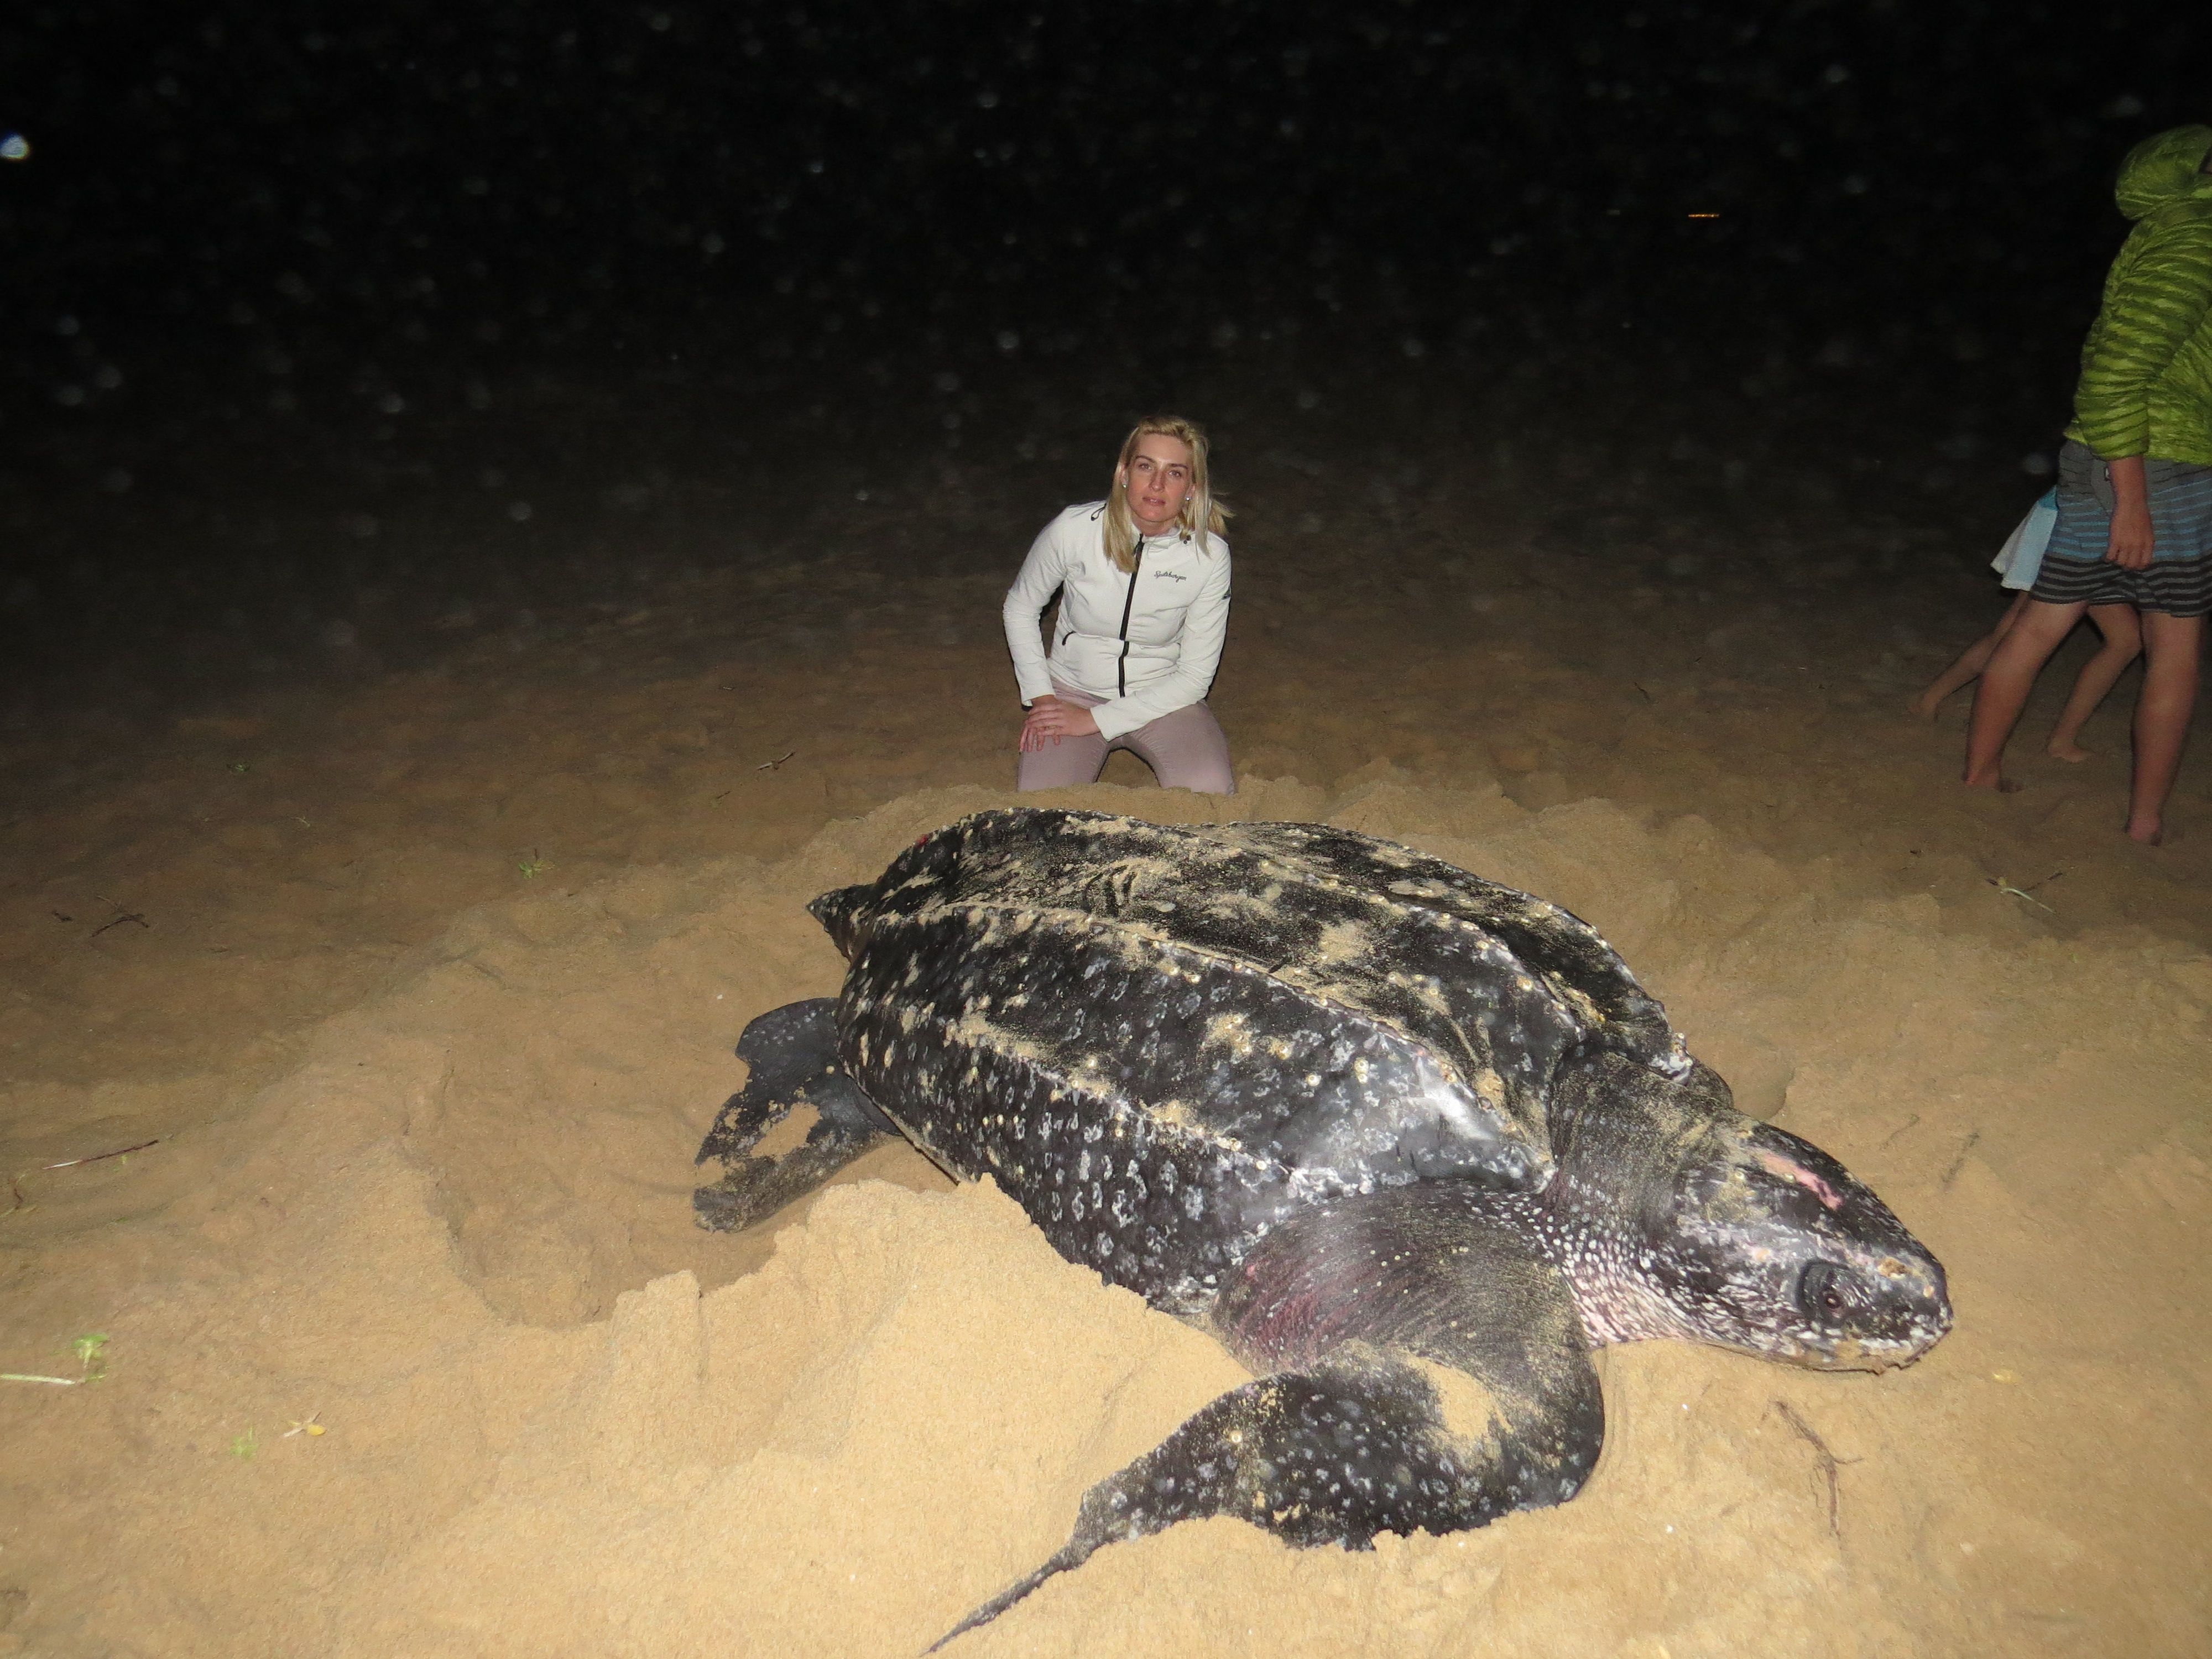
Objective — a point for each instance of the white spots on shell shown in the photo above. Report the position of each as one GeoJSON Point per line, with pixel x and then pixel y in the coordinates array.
{"type": "Point", "coordinates": [1426, 989]}
{"type": "Point", "coordinates": [1231, 1031]}
{"type": "Point", "coordinates": [1583, 1006]}
{"type": "Point", "coordinates": [1422, 887]}
{"type": "Point", "coordinates": [1049, 1008]}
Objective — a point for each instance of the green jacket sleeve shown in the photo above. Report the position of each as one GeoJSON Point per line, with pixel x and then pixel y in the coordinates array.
{"type": "Point", "coordinates": [2154, 302]}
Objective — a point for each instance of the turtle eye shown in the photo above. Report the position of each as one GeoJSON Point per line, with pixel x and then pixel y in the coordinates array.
{"type": "Point", "coordinates": [1823, 1290]}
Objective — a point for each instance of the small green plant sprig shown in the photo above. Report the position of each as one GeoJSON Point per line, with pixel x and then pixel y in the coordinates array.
{"type": "Point", "coordinates": [92, 1367]}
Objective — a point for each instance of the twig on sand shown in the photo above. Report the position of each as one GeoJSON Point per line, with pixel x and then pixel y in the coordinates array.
{"type": "Point", "coordinates": [122, 917]}
{"type": "Point", "coordinates": [16, 1181]}
{"type": "Point", "coordinates": [2027, 893]}
{"type": "Point", "coordinates": [120, 1151]}
{"type": "Point", "coordinates": [770, 766]}
{"type": "Point", "coordinates": [1830, 1463]}
{"type": "Point", "coordinates": [1959, 1162]}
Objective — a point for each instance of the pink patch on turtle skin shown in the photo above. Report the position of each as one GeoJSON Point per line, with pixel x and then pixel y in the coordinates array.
{"type": "Point", "coordinates": [1804, 1178]}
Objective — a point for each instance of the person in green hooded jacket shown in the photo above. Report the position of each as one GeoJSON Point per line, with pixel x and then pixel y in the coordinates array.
{"type": "Point", "coordinates": [2135, 477]}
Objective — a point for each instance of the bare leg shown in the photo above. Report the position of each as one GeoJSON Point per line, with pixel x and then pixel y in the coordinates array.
{"type": "Point", "coordinates": [2169, 693]}
{"type": "Point", "coordinates": [2123, 643]}
{"type": "Point", "coordinates": [2005, 684]}
{"type": "Point", "coordinates": [1968, 664]}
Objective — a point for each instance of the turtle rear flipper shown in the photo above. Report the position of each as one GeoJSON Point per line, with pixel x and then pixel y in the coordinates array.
{"type": "Point", "coordinates": [792, 1052]}
{"type": "Point", "coordinates": [1439, 1378]}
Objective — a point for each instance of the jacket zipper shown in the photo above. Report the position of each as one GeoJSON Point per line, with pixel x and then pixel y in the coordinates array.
{"type": "Point", "coordinates": [1121, 667]}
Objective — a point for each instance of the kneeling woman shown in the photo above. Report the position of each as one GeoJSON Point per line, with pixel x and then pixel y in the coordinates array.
{"type": "Point", "coordinates": [1143, 578]}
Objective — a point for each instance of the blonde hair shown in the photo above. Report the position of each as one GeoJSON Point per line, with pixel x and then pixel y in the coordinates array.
{"type": "Point", "coordinates": [1201, 515]}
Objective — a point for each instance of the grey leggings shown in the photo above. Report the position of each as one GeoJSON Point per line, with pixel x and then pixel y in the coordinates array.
{"type": "Point", "coordinates": [1185, 749]}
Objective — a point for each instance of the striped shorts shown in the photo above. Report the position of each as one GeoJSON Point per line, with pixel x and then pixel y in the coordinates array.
{"type": "Point", "coordinates": [2178, 580]}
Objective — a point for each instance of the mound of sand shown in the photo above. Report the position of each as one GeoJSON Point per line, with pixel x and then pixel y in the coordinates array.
{"type": "Point", "coordinates": [456, 1238]}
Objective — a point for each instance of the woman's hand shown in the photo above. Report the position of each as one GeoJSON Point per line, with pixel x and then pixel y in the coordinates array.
{"type": "Point", "coordinates": [1050, 720]}
{"type": "Point", "coordinates": [2132, 541]}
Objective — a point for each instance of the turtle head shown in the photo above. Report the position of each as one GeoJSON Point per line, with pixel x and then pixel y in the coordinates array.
{"type": "Point", "coordinates": [1779, 1250]}
{"type": "Point", "coordinates": [1728, 1230]}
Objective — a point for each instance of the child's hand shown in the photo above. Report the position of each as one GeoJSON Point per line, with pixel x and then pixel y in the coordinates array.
{"type": "Point", "coordinates": [2132, 541]}
{"type": "Point", "coordinates": [2131, 544]}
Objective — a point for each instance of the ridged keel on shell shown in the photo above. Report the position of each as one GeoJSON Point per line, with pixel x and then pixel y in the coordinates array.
{"type": "Point", "coordinates": [1316, 999]}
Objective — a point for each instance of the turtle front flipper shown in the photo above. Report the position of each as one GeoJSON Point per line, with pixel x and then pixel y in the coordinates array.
{"type": "Point", "coordinates": [1436, 1377]}
{"type": "Point", "coordinates": [792, 1052]}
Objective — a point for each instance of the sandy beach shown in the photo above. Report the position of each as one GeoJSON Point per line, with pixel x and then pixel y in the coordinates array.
{"type": "Point", "coordinates": [411, 966]}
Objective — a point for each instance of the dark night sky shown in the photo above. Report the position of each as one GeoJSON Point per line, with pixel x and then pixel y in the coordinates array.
{"type": "Point", "coordinates": [536, 177]}
{"type": "Point", "coordinates": [288, 258]}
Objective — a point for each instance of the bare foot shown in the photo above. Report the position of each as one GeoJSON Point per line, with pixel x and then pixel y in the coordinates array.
{"type": "Point", "coordinates": [1924, 705]}
{"type": "Point", "coordinates": [2067, 751]}
{"type": "Point", "coordinates": [2150, 833]}
{"type": "Point", "coordinates": [2000, 784]}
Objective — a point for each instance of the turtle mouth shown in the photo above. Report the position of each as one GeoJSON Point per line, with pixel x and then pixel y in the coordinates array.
{"type": "Point", "coordinates": [1853, 1355]}
{"type": "Point", "coordinates": [1869, 1353]}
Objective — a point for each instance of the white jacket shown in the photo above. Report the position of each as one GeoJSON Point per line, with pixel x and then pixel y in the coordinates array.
{"type": "Point", "coordinates": [1148, 642]}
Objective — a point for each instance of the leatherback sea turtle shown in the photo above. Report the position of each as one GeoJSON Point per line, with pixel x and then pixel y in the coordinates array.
{"type": "Point", "coordinates": [1410, 1143]}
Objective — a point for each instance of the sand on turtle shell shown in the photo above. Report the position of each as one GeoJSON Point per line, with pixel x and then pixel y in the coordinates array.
{"type": "Point", "coordinates": [452, 1230]}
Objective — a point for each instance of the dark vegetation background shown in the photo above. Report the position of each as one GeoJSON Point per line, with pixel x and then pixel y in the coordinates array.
{"type": "Point", "coordinates": [330, 328]}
